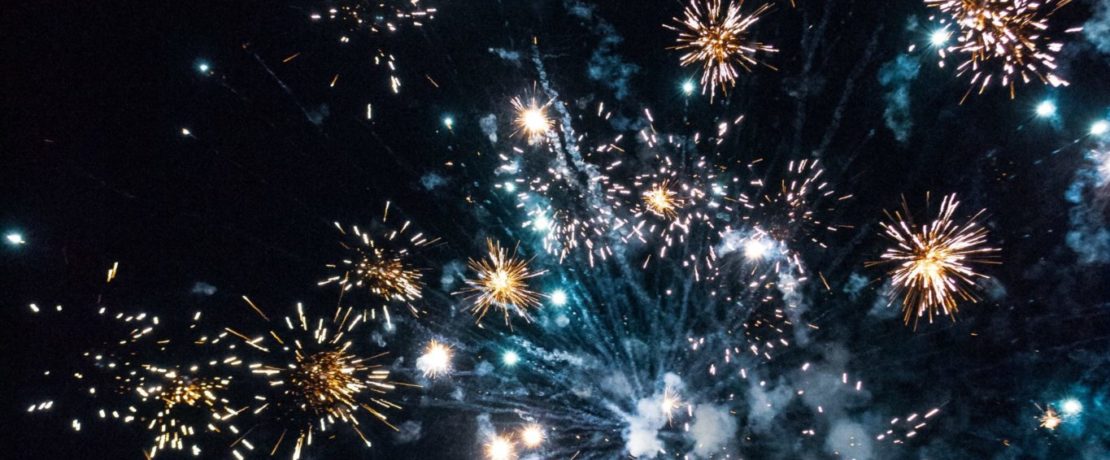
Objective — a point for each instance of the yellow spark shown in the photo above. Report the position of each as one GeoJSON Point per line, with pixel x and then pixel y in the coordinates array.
{"type": "Point", "coordinates": [532, 436]}
{"type": "Point", "coordinates": [531, 119]}
{"type": "Point", "coordinates": [500, 448]}
{"type": "Point", "coordinates": [662, 201]}
{"type": "Point", "coordinates": [933, 270]}
{"type": "Point", "coordinates": [1003, 40]}
{"type": "Point", "coordinates": [1050, 419]}
{"type": "Point", "coordinates": [501, 282]}
{"type": "Point", "coordinates": [720, 40]}
{"type": "Point", "coordinates": [671, 402]}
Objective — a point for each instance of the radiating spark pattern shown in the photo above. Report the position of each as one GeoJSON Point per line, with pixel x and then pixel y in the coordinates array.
{"type": "Point", "coordinates": [325, 381]}
{"type": "Point", "coordinates": [719, 39]}
{"type": "Point", "coordinates": [436, 360]}
{"type": "Point", "coordinates": [934, 264]}
{"type": "Point", "coordinates": [1002, 40]}
{"type": "Point", "coordinates": [380, 261]}
{"type": "Point", "coordinates": [531, 119]}
{"type": "Point", "coordinates": [501, 281]}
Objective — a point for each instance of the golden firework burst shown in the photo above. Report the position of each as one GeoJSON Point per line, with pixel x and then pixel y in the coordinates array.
{"type": "Point", "coordinates": [436, 360]}
{"type": "Point", "coordinates": [1001, 40]}
{"type": "Point", "coordinates": [325, 382]}
{"type": "Point", "coordinates": [933, 268]}
{"type": "Point", "coordinates": [662, 201]}
{"type": "Point", "coordinates": [531, 119]}
{"type": "Point", "coordinates": [381, 262]}
{"type": "Point", "coordinates": [719, 39]}
{"type": "Point", "coordinates": [1050, 420]}
{"type": "Point", "coordinates": [501, 282]}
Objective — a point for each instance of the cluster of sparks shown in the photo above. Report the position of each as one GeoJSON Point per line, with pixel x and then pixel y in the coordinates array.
{"type": "Point", "coordinates": [501, 281]}
{"type": "Point", "coordinates": [325, 383]}
{"type": "Point", "coordinates": [1001, 40]}
{"type": "Point", "coordinates": [719, 39]}
{"type": "Point", "coordinates": [934, 264]}
{"type": "Point", "coordinates": [380, 262]}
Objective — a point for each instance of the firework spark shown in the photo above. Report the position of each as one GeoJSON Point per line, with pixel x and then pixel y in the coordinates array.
{"type": "Point", "coordinates": [324, 383]}
{"type": "Point", "coordinates": [501, 282]}
{"type": "Point", "coordinates": [1003, 40]}
{"type": "Point", "coordinates": [436, 360]}
{"type": "Point", "coordinates": [381, 262]}
{"type": "Point", "coordinates": [500, 448]}
{"type": "Point", "coordinates": [531, 119]}
{"type": "Point", "coordinates": [532, 436]}
{"type": "Point", "coordinates": [662, 201]}
{"type": "Point", "coordinates": [934, 263]}
{"type": "Point", "coordinates": [1050, 420]}
{"type": "Point", "coordinates": [720, 40]}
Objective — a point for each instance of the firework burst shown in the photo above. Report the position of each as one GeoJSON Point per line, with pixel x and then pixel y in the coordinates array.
{"type": "Point", "coordinates": [325, 382]}
{"type": "Point", "coordinates": [531, 119]}
{"type": "Point", "coordinates": [380, 262]}
{"type": "Point", "coordinates": [501, 281]}
{"type": "Point", "coordinates": [934, 263]}
{"type": "Point", "coordinates": [719, 39]}
{"type": "Point", "coordinates": [1001, 40]}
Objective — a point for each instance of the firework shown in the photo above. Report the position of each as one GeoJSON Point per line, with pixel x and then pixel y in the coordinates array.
{"type": "Point", "coordinates": [436, 360]}
{"type": "Point", "coordinates": [501, 282]}
{"type": "Point", "coordinates": [672, 199]}
{"type": "Point", "coordinates": [934, 263]}
{"type": "Point", "coordinates": [381, 263]}
{"type": "Point", "coordinates": [532, 436]}
{"type": "Point", "coordinates": [719, 39]}
{"type": "Point", "coordinates": [1001, 40]}
{"type": "Point", "coordinates": [178, 394]}
{"type": "Point", "coordinates": [531, 119]}
{"type": "Point", "coordinates": [1050, 420]}
{"type": "Point", "coordinates": [323, 383]}
{"type": "Point", "coordinates": [500, 448]}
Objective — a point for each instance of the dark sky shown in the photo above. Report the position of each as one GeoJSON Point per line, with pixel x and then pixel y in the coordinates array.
{"type": "Point", "coordinates": [96, 170]}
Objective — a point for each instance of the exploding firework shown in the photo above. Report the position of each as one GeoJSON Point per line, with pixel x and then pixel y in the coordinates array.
{"type": "Point", "coordinates": [934, 263]}
{"type": "Point", "coordinates": [720, 41]}
{"type": "Point", "coordinates": [1050, 420]}
{"type": "Point", "coordinates": [380, 262]}
{"type": "Point", "coordinates": [531, 119]}
{"type": "Point", "coordinates": [325, 382]}
{"type": "Point", "coordinates": [672, 199]}
{"type": "Point", "coordinates": [1001, 40]}
{"type": "Point", "coordinates": [435, 361]}
{"type": "Point", "coordinates": [500, 448]}
{"type": "Point", "coordinates": [501, 282]}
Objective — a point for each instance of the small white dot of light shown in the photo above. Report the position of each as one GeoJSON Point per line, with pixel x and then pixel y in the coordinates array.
{"type": "Point", "coordinates": [510, 358]}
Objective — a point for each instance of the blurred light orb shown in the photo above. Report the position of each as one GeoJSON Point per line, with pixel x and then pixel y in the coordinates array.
{"type": "Point", "coordinates": [558, 297]}
{"type": "Point", "coordinates": [1046, 109]}
{"type": "Point", "coordinates": [510, 358]}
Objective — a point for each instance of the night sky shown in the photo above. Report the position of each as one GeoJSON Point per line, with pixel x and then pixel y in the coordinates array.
{"type": "Point", "coordinates": [208, 147]}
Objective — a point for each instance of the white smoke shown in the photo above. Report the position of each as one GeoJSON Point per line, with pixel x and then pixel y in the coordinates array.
{"type": "Point", "coordinates": [712, 430]}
